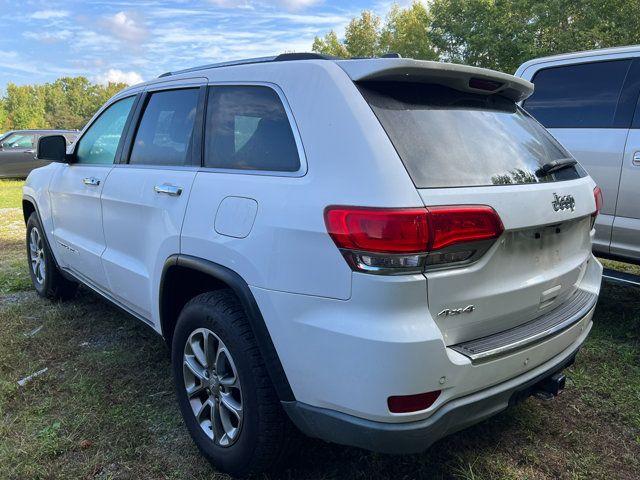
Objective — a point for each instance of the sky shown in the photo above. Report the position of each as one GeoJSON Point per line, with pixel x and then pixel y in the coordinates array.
{"type": "Point", "coordinates": [132, 41]}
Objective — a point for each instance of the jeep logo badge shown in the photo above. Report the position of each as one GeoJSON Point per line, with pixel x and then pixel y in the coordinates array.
{"type": "Point", "coordinates": [564, 202]}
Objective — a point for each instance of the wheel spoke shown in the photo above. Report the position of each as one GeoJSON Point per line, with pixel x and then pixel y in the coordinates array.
{"type": "Point", "coordinates": [196, 389]}
{"type": "Point", "coordinates": [41, 270]}
{"type": "Point", "coordinates": [209, 349]}
{"type": "Point", "coordinates": [202, 410]}
{"type": "Point", "coordinates": [216, 422]}
{"type": "Point", "coordinates": [230, 381]}
{"type": "Point", "coordinates": [231, 404]}
{"type": "Point", "coordinates": [198, 352]}
{"type": "Point", "coordinates": [193, 367]}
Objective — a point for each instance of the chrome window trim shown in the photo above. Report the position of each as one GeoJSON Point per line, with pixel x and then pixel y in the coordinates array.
{"type": "Point", "coordinates": [188, 168]}
{"type": "Point", "coordinates": [302, 171]}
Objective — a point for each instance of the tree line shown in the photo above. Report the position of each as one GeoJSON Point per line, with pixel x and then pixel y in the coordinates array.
{"type": "Point", "coordinates": [67, 103]}
{"type": "Point", "coordinates": [497, 34]}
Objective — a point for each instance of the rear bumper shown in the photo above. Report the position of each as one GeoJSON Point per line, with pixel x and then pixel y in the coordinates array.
{"type": "Point", "coordinates": [412, 437]}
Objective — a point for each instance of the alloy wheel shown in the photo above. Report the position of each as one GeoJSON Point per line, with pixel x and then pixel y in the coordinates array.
{"type": "Point", "coordinates": [36, 253]}
{"type": "Point", "coordinates": [213, 387]}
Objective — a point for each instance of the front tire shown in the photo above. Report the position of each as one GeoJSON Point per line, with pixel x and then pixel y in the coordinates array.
{"type": "Point", "coordinates": [224, 392]}
{"type": "Point", "coordinates": [45, 276]}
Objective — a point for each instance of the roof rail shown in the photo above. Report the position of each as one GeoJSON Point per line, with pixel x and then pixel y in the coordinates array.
{"type": "Point", "coordinates": [283, 57]}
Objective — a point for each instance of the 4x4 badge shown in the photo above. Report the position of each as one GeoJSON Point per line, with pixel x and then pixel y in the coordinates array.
{"type": "Point", "coordinates": [447, 312]}
{"type": "Point", "coordinates": [564, 202]}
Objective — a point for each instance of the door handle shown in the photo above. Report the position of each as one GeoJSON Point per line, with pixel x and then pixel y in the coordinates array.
{"type": "Point", "coordinates": [93, 181]}
{"type": "Point", "coordinates": [167, 189]}
{"type": "Point", "coordinates": [29, 151]}
{"type": "Point", "coordinates": [636, 159]}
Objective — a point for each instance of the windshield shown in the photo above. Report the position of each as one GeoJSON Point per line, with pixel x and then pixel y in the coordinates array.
{"type": "Point", "coordinates": [449, 138]}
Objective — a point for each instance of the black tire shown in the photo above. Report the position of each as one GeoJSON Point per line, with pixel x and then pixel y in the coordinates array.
{"type": "Point", "coordinates": [48, 281]}
{"type": "Point", "coordinates": [265, 429]}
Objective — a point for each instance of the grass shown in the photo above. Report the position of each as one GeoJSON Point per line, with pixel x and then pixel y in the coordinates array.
{"type": "Point", "coordinates": [105, 408]}
{"type": "Point", "coordinates": [13, 272]}
{"type": "Point", "coordinates": [620, 266]}
{"type": "Point", "coordinates": [11, 193]}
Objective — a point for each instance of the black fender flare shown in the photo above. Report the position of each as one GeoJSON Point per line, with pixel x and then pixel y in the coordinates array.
{"type": "Point", "coordinates": [260, 331]}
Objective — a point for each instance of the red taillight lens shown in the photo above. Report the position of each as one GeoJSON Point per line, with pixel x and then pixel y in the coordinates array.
{"type": "Point", "coordinates": [379, 240]}
{"type": "Point", "coordinates": [378, 230]}
{"type": "Point", "coordinates": [412, 403]}
{"type": "Point", "coordinates": [597, 193]}
{"type": "Point", "coordinates": [451, 225]}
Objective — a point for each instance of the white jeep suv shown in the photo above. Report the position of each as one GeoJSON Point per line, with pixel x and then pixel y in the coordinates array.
{"type": "Point", "coordinates": [377, 251]}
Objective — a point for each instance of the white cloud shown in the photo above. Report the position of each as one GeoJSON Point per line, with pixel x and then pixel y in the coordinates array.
{"type": "Point", "coordinates": [286, 4]}
{"type": "Point", "coordinates": [114, 75]}
{"type": "Point", "coordinates": [126, 27]}
{"type": "Point", "coordinates": [49, 14]}
{"type": "Point", "coordinates": [232, 3]}
{"type": "Point", "coordinates": [8, 54]}
{"type": "Point", "coordinates": [298, 4]}
{"type": "Point", "coordinates": [49, 36]}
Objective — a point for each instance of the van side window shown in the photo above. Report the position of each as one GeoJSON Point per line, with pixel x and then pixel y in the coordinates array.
{"type": "Point", "coordinates": [578, 96]}
{"type": "Point", "coordinates": [248, 129]}
{"type": "Point", "coordinates": [164, 133]}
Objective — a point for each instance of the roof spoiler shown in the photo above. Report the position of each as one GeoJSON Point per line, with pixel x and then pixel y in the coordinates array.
{"type": "Point", "coordinates": [459, 77]}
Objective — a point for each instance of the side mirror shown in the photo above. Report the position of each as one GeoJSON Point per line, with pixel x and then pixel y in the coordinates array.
{"type": "Point", "coordinates": [53, 148]}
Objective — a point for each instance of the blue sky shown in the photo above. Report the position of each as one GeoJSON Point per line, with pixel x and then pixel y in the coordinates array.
{"type": "Point", "coordinates": [128, 40]}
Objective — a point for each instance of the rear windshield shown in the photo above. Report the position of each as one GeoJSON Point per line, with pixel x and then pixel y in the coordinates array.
{"type": "Point", "coordinates": [448, 138]}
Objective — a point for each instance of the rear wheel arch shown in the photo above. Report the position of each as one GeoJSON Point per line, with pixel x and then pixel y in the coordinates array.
{"type": "Point", "coordinates": [185, 277]}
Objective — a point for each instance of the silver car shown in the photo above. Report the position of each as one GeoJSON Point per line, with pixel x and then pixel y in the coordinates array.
{"type": "Point", "coordinates": [588, 101]}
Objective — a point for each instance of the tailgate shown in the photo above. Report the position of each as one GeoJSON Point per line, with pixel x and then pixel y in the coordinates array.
{"type": "Point", "coordinates": [532, 268]}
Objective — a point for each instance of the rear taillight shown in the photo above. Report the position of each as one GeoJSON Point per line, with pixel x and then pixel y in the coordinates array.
{"type": "Point", "coordinates": [597, 194]}
{"type": "Point", "coordinates": [400, 241]}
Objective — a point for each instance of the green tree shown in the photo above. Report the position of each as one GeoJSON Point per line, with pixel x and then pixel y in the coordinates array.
{"type": "Point", "coordinates": [502, 34]}
{"type": "Point", "coordinates": [330, 45]}
{"type": "Point", "coordinates": [498, 34]}
{"type": "Point", "coordinates": [4, 118]}
{"type": "Point", "coordinates": [68, 103]}
{"type": "Point", "coordinates": [25, 106]}
{"type": "Point", "coordinates": [362, 35]}
{"type": "Point", "coordinates": [407, 32]}
{"type": "Point", "coordinates": [361, 38]}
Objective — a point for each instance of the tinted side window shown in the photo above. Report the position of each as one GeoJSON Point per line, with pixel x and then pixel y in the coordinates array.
{"type": "Point", "coordinates": [248, 129]}
{"type": "Point", "coordinates": [578, 96]}
{"type": "Point", "coordinates": [99, 143]}
{"type": "Point", "coordinates": [19, 140]}
{"type": "Point", "coordinates": [164, 133]}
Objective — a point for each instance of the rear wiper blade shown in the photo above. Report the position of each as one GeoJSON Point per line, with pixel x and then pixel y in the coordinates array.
{"type": "Point", "coordinates": [555, 165]}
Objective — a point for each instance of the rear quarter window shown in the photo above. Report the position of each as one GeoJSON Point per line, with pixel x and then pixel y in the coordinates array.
{"type": "Point", "coordinates": [247, 128]}
{"type": "Point", "coordinates": [449, 138]}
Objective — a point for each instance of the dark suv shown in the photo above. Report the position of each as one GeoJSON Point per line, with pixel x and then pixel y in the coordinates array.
{"type": "Point", "coordinates": [18, 151]}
